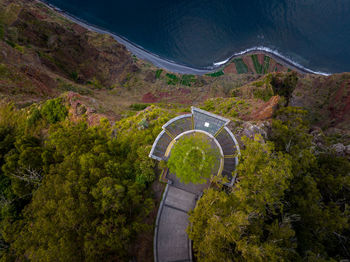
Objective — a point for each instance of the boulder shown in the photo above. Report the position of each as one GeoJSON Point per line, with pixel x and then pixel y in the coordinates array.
{"type": "Point", "coordinates": [250, 129]}
{"type": "Point", "coordinates": [339, 149]}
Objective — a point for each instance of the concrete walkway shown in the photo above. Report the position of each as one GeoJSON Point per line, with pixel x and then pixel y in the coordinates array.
{"type": "Point", "coordinates": [171, 243]}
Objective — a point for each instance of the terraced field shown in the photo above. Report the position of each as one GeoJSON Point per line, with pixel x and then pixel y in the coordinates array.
{"type": "Point", "coordinates": [254, 64]}
{"type": "Point", "coordinates": [241, 67]}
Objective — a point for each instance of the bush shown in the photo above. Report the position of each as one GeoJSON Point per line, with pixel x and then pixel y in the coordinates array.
{"type": "Point", "coordinates": [172, 79]}
{"type": "Point", "coordinates": [158, 73]}
{"type": "Point", "coordinates": [34, 116]}
{"type": "Point", "coordinates": [187, 80]}
{"type": "Point", "coordinates": [54, 111]}
{"type": "Point", "coordinates": [216, 74]}
{"type": "Point", "coordinates": [284, 86]}
{"type": "Point", "coordinates": [138, 107]}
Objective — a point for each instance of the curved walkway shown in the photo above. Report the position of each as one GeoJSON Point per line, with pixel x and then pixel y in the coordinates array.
{"type": "Point", "coordinates": [171, 243]}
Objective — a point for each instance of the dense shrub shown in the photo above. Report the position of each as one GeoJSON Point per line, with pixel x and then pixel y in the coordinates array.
{"type": "Point", "coordinates": [54, 110]}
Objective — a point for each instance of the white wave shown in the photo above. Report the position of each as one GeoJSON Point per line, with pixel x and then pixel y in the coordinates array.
{"type": "Point", "coordinates": [222, 62]}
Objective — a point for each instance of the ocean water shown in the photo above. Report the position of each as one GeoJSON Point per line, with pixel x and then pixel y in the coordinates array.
{"type": "Point", "coordinates": [203, 33]}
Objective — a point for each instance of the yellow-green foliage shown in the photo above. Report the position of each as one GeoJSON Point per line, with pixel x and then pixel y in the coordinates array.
{"type": "Point", "coordinates": [137, 134]}
{"type": "Point", "coordinates": [90, 184]}
{"type": "Point", "coordinates": [230, 107]}
{"type": "Point", "coordinates": [263, 89]}
{"type": "Point", "coordinates": [9, 14]}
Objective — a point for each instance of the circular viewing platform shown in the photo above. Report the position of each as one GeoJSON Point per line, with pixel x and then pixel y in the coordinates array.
{"type": "Point", "coordinates": [214, 127]}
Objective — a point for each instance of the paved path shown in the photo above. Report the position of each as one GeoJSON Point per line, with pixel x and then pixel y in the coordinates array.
{"type": "Point", "coordinates": [171, 243]}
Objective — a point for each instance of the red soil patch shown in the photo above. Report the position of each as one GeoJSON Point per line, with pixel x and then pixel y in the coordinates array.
{"type": "Point", "coordinates": [248, 61]}
{"type": "Point", "coordinates": [230, 69]}
{"type": "Point", "coordinates": [149, 98]}
{"type": "Point", "coordinates": [261, 58]}
{"type": "Point", "coordinates": [177, 96]}
{"type": "Point", "coordinates": [340, 104]}
{"type": "Point", "coordinates": [267, 110]}
{"type": "Point", "coordinates": [281, 68]}
{"type": "Point", "coordinates": [164, 94]}
{"type": "Point", "coordinates": [272, 65]}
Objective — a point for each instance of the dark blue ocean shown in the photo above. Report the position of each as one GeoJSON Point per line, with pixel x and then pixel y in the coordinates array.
{"type": "Point", "coordinates": [199, 33]}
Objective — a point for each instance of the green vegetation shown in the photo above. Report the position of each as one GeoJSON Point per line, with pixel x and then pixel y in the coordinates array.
{"type": "Point", "coordinates": [139, 107]}
{"type": "Point", "coordinates": [193, 159]}
{"type": "Point", "coordinates": [266, 65]}
{"type": "Point", "coordinates": [232, 227]}
{"type": "Point", "coordinates": [258, 67]}
{"type": "Point", "coordinates": [172, 79]}
{"type": "Point", "coordinates": [216, 74]}
{"type": "Point", "coordinates": [284, 85]}
{"type": "Point", "coordinates": [229, 107]}
{"type": "Point", "coordinates": [289, 204]}
{"type": "Point", "coordinates": [69, 87]}
{"type": "Point", "coordinates": [54, 110]}
{"type": "Point", "coordinates": [188, 80]}
{"type": "Point", "coordinates": [241, 67]}
{"type": "Point", "coordinates": [264, 89]}
{"type": "Point", "coordinates": [158, 73]}
{"type": "Point", "coordinates": [74, 75]}
{"type": "Point", "coordinates": [72, 192]}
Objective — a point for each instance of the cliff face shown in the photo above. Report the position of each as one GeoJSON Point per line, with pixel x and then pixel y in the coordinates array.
{"type": "Point", "coordinates": [328, 101]}
{"type": "Point", "coordinates": [50, 42]}
{"type": "Point", "coordinates": [43, 54]}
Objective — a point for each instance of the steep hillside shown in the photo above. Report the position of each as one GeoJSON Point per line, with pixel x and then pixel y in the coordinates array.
{"type": "Point", "coordinates": [44, 54]}
{"type": "Point", "coordinates": [79, 114]}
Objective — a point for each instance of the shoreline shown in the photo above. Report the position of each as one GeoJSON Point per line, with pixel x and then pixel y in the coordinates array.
{"type": "Point", "coordinates": [175, 67]}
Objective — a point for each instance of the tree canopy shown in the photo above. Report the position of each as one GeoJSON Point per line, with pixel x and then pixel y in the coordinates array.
{"type": "Point", "coordinates": [193, 159]}
{"type": "Point", "coordinates": [290, 203]}
{"type": "Point", "coordinates": [243, 225]}
{"type": "Point", "coordinates": [70, 192]}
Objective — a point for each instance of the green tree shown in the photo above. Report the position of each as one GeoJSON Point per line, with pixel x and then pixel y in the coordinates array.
{"type": "Point", "coordinates": [193, 159]}
{"type": "Point", "coordinates": [247, 223]}
{"type": "Point", "coordinates": [284, 84]}
{"type": "Point", "coordinates": [318, 192]}
{"type": "Point", "coordinates": [87, 208]}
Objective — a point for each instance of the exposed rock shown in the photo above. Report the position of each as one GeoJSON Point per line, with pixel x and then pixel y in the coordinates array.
{"type": "Point", "coordinates": [249, 129]}
{"type": "Point", "coordinates": [80, 106]}
{"type": "Point", "coordinates": [267, 110]}
{"type": "Point", "coordinates": [318, 138]}
{"type": "Point", "coordinates": [339, 149]}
